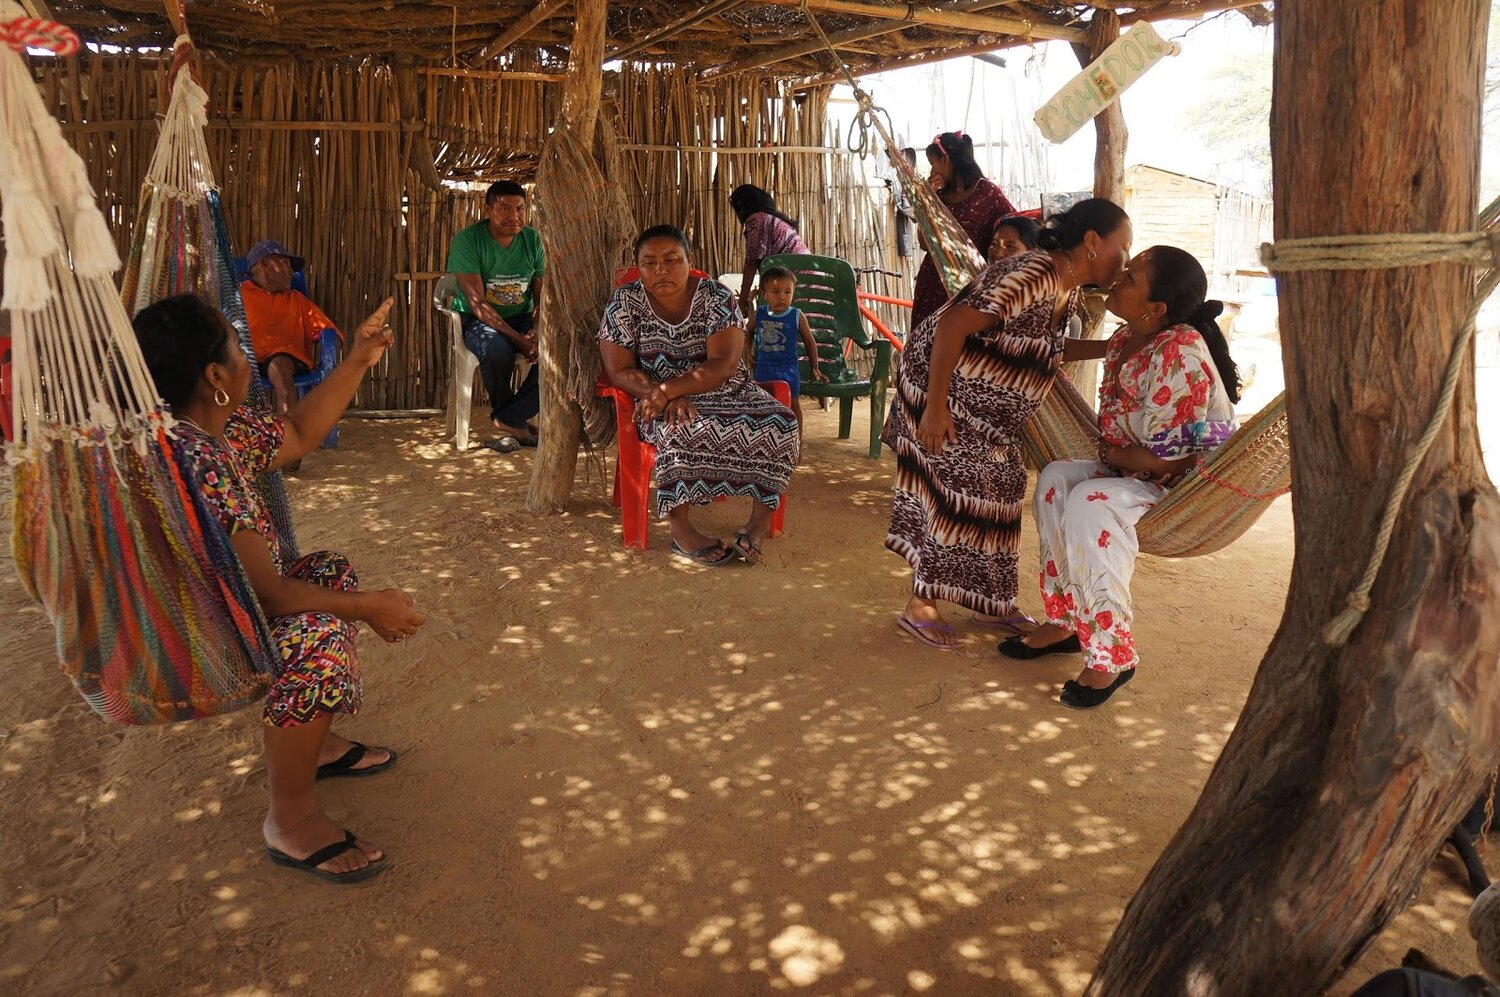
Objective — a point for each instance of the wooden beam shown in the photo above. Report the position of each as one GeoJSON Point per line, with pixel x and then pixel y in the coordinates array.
{"type": "Point", "coordinates": [492, 74]}
{"type": "Point", "coordinates": [38, 8]}
{"type": "Point", "coordinates": [839, 38]}
{"type": "Point", "coordinates": [1189, 12]}
{"type": "Point", "coordinates": [543, 10]}
{"type": "Point", "coordinates": [911, 14]}
{"type": "Point", "coordinates": [676, 27]}
{"type": "Point", "coordinates": [904, 62]}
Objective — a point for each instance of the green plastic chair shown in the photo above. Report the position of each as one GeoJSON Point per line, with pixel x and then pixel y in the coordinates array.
{"type": "Point", "coordinates": [829, 297]}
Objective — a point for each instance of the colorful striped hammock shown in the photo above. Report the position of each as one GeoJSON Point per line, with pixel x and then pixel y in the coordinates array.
{"type": "Point", "coordinates": [1214, 505]}
{"type": "Point", "coordinates": [181, 245]}
{"type": "Point", "coordinates": [155, 619]}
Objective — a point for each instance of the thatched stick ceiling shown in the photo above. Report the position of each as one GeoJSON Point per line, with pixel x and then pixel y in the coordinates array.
{"type": "Point", "coordinates": [717, 36]}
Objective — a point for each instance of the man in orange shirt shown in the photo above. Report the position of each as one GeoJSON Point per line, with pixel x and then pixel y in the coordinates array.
{"type": "Point", "coordinates": [284, 325]}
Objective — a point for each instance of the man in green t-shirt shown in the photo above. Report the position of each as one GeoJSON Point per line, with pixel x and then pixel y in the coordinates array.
{"type": "Point", "coordinates": [498, 263]}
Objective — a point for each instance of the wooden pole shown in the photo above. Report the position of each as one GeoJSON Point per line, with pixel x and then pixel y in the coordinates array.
{"type": "Point", "coordinates": [1023, 28]}
{"type": "Point", "coordinates": [543, 10]}
{"type": "Point", "coordinates": [1349, 766]}
{"type": "Point", "coordinates": [560, 420]}
{"type": "Point", "coordinates": [1110, 134]}
{"type": "Point", "coordinates": [903, 62]}
{"type": "Point", "coordinates": [839, 38]}
{"type": "Point", "coordinates": [1187, 11]}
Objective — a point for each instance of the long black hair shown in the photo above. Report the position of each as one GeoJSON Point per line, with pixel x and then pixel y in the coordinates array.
{"type": "Point", "coordinates": [179, 337]}
{"type": "Point", "coordinates": [1178, 281]}
{"type": "Point", "coordinates": [1066, 230]}
{"type": "Point", "coordinates": [748, 199]}
{"type": "Point", "coordinates": [957, 148]}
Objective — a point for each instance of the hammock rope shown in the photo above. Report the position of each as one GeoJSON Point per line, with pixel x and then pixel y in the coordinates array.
{"type": "Point", "coordinates": [1205, 512]}
{"type": "Point", "coordinates": [155, 620]}
{"type": "Point", "coordinates": [181, 243]}
{"type": "Point", "coordinates": [1372, 252]}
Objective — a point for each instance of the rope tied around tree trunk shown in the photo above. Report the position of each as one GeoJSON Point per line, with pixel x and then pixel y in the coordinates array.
{"type": "Point", "coordinates": [1389, 251]}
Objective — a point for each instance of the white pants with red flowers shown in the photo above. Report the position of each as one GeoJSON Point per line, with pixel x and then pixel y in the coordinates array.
{"type": "Point", "coordinates": [1085, 517]}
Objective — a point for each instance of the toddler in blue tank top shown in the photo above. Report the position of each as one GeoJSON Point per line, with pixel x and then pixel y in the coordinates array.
{"type": "Point", "coordinates": [774, 332]}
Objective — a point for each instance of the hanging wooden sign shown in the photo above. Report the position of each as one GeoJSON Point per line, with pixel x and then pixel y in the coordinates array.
{"type": "Point", "coordinates": [1101, 84]}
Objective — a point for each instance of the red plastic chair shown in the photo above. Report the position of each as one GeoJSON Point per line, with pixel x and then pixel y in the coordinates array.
{"type": "Point", "coordinates": [6, 390]}
{"type": "Point", "coordinates": [637, 462]}
{"type": "Point", "coordinates": [637, 459]}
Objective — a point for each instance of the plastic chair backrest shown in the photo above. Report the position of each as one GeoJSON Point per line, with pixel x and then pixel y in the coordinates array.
{"type": "Point", "coordinates": [443, 294]}
{"type": "Point", "coordinates": [828, 295]}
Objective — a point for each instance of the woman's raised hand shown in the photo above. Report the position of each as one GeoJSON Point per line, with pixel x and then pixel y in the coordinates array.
{"type": "Point", "coordinates": [372, 337]}
{"type": "Point", "coordinates": [936, 429]}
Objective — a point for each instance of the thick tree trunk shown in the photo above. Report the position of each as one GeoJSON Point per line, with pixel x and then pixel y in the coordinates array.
{"type": "Point", "coordinates": [561, 420]}
{"type": "Point", "coordinates": [1349, 766]}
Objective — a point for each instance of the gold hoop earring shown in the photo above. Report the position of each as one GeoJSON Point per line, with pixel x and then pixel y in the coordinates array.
{"type": "Point", "coordinates": [221, 397]}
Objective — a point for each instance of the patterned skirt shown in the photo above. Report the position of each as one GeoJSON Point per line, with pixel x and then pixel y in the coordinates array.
{"type": "Point", "coordinates": [744, 442]}
{"type": "Point", "coordinates": [319, 672]}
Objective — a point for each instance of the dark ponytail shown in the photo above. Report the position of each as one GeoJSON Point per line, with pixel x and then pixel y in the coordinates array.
{"type": "Point", "coordinates": [1178, 281]}
{"type": "Point", "coordinates": [957, 148]}
{"type": "Point", "coordinates": [1065, 231]}
{"type": "Point", "coordinates": [179, 337]}
{"type": "Point", "coordinates": [748, 199]}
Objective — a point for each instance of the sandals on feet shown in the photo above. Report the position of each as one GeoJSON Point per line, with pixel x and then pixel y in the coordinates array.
{"type": "Point", "coordinates": [317, 858]}
{"type": "Point", "coordinates": [342, 767]}
{"type": "Point", "coordinates": [918, 629]}
{"type": "Point", "coordinates": [747, 548]}
{"type": "Point", "coordinates": [1016, 647]}
{"type": "Point", "coordinates": [1081, 697]}
{"type": "Point", "coordinates": [715, 555]}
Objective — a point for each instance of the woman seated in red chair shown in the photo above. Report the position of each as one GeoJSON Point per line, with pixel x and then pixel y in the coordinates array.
{"type": "Point", "coordinates": [675, 343]}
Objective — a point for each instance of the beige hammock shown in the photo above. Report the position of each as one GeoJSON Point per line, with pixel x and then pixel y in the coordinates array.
{"type": "Point", "coordinates": [1214, 505]}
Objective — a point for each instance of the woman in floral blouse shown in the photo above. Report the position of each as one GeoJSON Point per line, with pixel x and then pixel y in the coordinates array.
{"type": "Point", "coordinates": [314, 603]}
{"type": "Point", "coordinates": [1167, 400]}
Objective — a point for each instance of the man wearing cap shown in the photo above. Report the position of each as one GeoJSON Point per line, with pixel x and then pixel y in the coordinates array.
{"type": "Point", "coordinates": [284, 325]}
{"type": "Point", "coordinates": [498, 262]}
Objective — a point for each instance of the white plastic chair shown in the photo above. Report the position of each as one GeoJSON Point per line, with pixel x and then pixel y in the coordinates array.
{"type": "Point", "coordinates": [462, 364]}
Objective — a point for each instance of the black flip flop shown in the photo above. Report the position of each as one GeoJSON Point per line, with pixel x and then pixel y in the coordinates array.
{"type": "Point", "coordinates": [702, 554]}
{"type": "Point", "coordinates": [1082, 697]}
{"type": "Point", "coordinates": [342, 767]}
{"type": "Point", "coordinates": [747, 549]}
{"type": "Point", "coordinates": [503, 444]}
{"type": "Point", "coordinates": [528, 440]}
{"type": "Point", "coordinates": [1016, 647]}
{"type": "Point", "coordinates": [317, 858]}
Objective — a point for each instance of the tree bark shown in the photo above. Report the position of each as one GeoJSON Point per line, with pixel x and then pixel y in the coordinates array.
{"type": "Point", "coordinates": [1110, 134]}
{"type": "Point", "coordinates": [1349, 766]}
{"type": "Point", "coordinates": [561, 420]}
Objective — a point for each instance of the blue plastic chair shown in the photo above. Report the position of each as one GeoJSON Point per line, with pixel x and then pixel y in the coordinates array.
{"type": "Point", "coordinates": [328, 353]}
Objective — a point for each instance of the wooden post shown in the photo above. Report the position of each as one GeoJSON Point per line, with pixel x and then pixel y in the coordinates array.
{"type": "Point", "coordinates": [1110, 133]}
{"type": "Point", "coordinates": [561, 421]}
{"type": "Point", "coordinates": [1350, 765]}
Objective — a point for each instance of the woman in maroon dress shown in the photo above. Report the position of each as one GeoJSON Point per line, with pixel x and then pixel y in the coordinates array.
{"type": "Point", "coordinates": [977, 203]}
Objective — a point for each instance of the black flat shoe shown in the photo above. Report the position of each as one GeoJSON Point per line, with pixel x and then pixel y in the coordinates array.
{"type": "Point", "coordinates": [1082, 697]}
{"type": "Point", "coordinates": [1016, 647]}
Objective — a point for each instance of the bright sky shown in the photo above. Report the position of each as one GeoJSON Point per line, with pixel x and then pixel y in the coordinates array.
{"type": "Point", "coordinates": [996, 105]}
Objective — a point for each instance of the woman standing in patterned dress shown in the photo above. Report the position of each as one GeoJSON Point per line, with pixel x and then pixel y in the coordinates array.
{"type": "Point", "coordinates": [768, 232]}
{"type": "Point", "coordinates": [676, 343]}
{"type": "Point", "coordinates": [312, 604]}
{"type": "Point", "coordinates": [978, 205]}
{"type": "Point", "coordinates": [1166, 400]}
{"type": "Point", "coordinates": [970, 377]}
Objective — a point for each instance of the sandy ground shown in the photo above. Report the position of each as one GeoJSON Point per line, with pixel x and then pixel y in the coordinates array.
{"type": "Point", "coordinates": [623, 774]}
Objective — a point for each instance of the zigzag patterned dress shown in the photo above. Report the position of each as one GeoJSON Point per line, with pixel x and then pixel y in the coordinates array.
{"type": "Point", "coordinates": [744, 442]}
{"type": "Point", "coordinates": [956, 517]}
